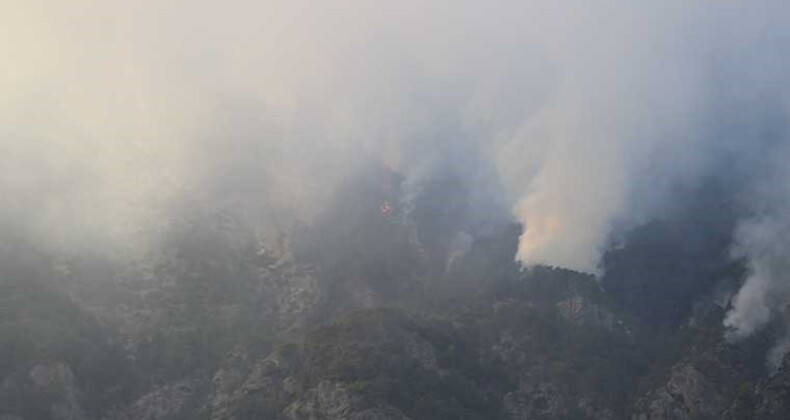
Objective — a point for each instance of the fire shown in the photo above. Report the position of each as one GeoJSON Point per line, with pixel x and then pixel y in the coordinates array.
{"type": "Point", "coordinates": [385, 208]}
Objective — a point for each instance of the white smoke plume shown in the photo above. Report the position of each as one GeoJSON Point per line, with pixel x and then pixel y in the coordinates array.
{"type": "Point", "coordinates": [587, 113]}
{"type": "Point", "coordinates": [764, 241]}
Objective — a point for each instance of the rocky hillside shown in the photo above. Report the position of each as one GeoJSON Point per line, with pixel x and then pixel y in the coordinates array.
{"type": "Point", "coordinates": [369, 313]}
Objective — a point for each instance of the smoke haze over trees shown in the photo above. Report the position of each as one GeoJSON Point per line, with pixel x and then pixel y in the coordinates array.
{"type": "Point", "coordinates": [285, 163]}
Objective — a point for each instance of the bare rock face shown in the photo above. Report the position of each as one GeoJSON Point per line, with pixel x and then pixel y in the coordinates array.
{"type": "Point", "coordinates": [713, 380]}
{"type": "Point", "coordinates": [581, 312]}
{"type": "Point", "coordinates": [326, 400]}
{"type": "Point", "coordinates": [230, 376]}
{"type": "Point", "coordinates": [333, 401]}
{"type": "Point", "coordinates": [164, 403]}
{"type": "Point", "coordinates": [296, 298]}
{"type": "Point", "coordinates": [688, 394]}
{"type": "Point", "coordinates": [247, 388]}
{"type": "Point", "coordinates": [545, 400]}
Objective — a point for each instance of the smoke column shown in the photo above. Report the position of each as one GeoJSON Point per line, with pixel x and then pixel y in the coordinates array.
{"type": "Point", "coordinates": [579, 117]}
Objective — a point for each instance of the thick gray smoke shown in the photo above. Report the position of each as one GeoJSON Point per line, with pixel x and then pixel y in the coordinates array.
{"type": "Point", "coordinates": [585, 115]}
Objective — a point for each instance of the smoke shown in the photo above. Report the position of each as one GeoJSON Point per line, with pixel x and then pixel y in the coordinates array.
{"type": "Point", "coordinates": [637, 114]}
{"type": "Point", "coordinates": [579, 119]}
{"type": "Point", "coordinates": [115, 114]}
{"type": "Point", "coordinates": [763, 240]}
